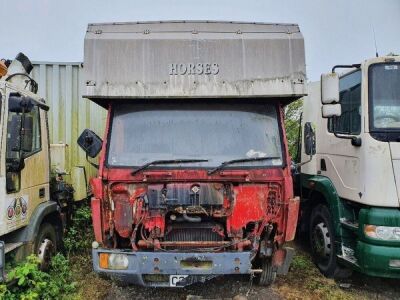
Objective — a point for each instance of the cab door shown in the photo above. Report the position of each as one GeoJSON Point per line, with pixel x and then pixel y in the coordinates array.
{"type": "Point", "coordinates": [340, 159]}
{"type": "Point", "coordinates": [27, 162]}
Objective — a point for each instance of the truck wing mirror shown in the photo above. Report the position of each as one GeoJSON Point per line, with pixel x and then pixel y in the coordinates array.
{"type": "Point", "coordinates": [14, 157]}
{"type": "Point", "coordinates": [329, 88]}
{"type": "Point", "coordinates": [309, 139]}
{"type": "Point", "coordinates": [19, 104]}
{"type": "Point", "coordinates": [90, 142]}
{"type": "Point", "coordinates": [331, 110]}
{"type": "Point", "coordinates": [20, 135]}
{"type": "Point", "coordinates": [14, 138]}
{"type": "Point", "coordinates": [27, 134]}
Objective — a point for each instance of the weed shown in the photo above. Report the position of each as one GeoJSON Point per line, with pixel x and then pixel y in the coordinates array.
{"type": "Point", "coordinates": [304, 281]}
{"type": "Point", "coordinates": [80, 234]}
{"type": "Point", "coordinates": [302, 263]}
{"type": "Point", "coordinates": [30, 283]}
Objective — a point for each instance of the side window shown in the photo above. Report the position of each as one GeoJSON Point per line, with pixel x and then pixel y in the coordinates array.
{"type": "Point", "coordinates": [350, 99]}
{"type": "Point", "coordinates": [35, 134]}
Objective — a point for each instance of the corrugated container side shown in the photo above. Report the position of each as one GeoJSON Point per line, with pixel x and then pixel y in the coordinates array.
{"type": "Point", "coordinates": [61, 85]}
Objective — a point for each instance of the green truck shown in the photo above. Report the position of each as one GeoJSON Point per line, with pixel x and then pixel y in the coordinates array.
{"type": "Point", "coordinates": [350, 187]}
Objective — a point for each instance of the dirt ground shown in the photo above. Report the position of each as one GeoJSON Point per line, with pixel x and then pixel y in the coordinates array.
{"type": "Point", "coordinates": [304, 281]}
{"type": "Point", "coordinates": [226, 287]}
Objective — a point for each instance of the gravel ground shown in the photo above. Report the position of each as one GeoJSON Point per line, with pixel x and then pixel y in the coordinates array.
{"type": "Point", "coordinates": [227, 287]}
{"type": "Point", "coordinates": [372, 287]}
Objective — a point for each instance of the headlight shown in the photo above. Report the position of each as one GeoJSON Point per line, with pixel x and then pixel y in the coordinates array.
{"type": "Point", "coordinates": [113, 261]}
{"type": "Point", "coordinates": [385, 233]}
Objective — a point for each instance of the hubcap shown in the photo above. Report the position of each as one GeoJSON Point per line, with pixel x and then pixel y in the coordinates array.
{"type": "Point", "coordinates": [321, 241]}
{"type": "Point", "coordinates": [45, 252]}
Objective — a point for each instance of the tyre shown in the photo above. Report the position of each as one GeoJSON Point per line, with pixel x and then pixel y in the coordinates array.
{"type": "Point", "coordinates": [322, 243]}
{"type": "Point", "coordinates": [46, 245]}
{"type": "Point", "coordinates": [268, 274]}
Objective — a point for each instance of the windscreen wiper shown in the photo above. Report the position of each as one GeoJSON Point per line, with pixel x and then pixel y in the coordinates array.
{"type": "Point", "coordinates": [167, 162]}
{"type": "Point", "coordinates": [233, 161]}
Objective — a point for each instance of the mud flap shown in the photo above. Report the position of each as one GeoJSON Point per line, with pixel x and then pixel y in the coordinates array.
{"type": "Point", "coordinates": [282, 260]}
{"type": "Point", "coordinates": [2, 261]}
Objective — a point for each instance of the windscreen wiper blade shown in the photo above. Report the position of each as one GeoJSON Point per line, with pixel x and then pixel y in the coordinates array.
{"type": "Point", "coordinates": [233, 161]}
{"type": "Point", "coordinates": [167, 162]}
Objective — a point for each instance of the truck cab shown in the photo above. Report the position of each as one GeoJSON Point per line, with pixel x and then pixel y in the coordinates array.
{"type": "Point", "coordinates": [32, 208]}
{"type": "Point", "coordinates": [350, 189]}
{"type": "Point", "coordinates": [194, 178]}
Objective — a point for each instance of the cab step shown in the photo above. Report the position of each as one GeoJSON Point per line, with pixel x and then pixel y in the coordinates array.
{"type": "Point", "coordinates": [12, 246]}
{"type": "Point", "coordinates": [4, 249]}
{"type": "Point", "coordinates": [353, 226]}
{"type": "Point", "coordinates": [348, 255]}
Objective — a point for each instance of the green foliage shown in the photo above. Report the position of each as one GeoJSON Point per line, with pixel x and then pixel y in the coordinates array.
{"type": "Point", "coordinates": [30, 283]}
{"type": "Point", "coordinates": [311, 281]}
{"type": "Point", "coordinates": [292, 124]}
{"type": "Point", "coordinates": [80, 235]}
{"type": "Point", "coordinates": [302, 263]}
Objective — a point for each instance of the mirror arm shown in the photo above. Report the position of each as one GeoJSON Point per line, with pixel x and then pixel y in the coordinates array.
{"type": "Point", "coordinates": [304, 162]}
{"type": "Point", "coordinates": [355, 140]}
{"type": "Point", "coordinates": [345, 67]}
{"type": "Point", "coordinates": [91, 163]}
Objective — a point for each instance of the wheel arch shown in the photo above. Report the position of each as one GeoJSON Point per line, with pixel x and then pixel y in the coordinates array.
{"type": "Point", "coordinates": [45, 212]}
{"type": "Point", "coordinates": [320, 190]}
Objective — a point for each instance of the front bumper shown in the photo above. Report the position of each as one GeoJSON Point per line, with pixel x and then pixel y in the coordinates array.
{"type": "Point", "coordinates": [155, 268]}
{"type": "Point", "coordinates": [375, 260]}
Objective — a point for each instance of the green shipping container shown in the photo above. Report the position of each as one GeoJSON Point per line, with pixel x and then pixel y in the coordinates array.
{"type": "Point", "coordinates": [61, 85]}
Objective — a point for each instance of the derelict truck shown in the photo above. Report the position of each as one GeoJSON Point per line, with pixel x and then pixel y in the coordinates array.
{"type": "Point", "coordinates": [351, 187]}
{"type": "Point", "coordinates": [194, 178]}
{"type": "Point", "coordinates": [35, 199]}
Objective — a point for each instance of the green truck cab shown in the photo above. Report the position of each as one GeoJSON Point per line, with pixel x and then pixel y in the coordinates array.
{"type": "Point", "coordinates": [350, 187]}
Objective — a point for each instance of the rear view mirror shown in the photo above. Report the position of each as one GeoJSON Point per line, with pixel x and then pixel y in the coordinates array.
{"type": "Point", "coordinates": [309, 139]}
{"type": "Point", "coordinates": [331, 110]}
{"type": "Point", "coordinates": [27, 134]}
{"type": "Point", "coordinates": [90, 143]}
{"type": "Point", "coordinates": [329, 88]}
{"type": "Point", "coordinates": [19, 104]}
{"type": "Point", "coordinates": [14, 138]}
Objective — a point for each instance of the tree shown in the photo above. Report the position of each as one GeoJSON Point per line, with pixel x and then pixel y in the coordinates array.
{"type": "Point", "coordinates": [293, 113]}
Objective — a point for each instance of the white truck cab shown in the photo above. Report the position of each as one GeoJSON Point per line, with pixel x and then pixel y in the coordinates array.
{"type": "Point", "coordinates": [351, 187]}
{"type": "Point", "coordinates": [33, 202]}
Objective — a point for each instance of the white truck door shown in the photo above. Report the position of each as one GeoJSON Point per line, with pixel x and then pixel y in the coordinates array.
{"type": "Point", "coordinates": [27, 188]}
{"type": "Point", "coordinates": [340, 159]}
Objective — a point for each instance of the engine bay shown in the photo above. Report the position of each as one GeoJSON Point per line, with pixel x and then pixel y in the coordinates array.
{"type": "Point", "coordinates": [203, 217]}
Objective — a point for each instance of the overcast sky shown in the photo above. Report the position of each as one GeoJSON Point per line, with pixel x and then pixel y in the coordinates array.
{"type": "Point", "coordinates": [335, 31]}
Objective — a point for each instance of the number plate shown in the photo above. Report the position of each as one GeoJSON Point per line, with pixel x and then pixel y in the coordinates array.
{"type": "Point", "coordinates": [175, 279]}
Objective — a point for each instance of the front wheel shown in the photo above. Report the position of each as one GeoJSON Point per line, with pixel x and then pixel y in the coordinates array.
{"type": "Point", "coordinates": [268, 274]}
{"type": "Point", "coordinates": [322, 243]}
{"type": "Point", "coordinates": [46, 245]}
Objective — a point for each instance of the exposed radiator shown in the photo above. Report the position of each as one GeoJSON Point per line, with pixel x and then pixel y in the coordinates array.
{"type": "Point", "coordinates": [192, 232]}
